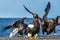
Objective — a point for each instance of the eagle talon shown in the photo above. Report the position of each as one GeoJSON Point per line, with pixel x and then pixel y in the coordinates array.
{"type": "Point", "coordinates": [35, 38]}
{"type": "Point", "coordinates": [30, 38]}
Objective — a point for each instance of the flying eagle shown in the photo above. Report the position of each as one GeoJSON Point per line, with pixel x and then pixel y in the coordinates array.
{"type": "Point", "coordinates": [18, 26]}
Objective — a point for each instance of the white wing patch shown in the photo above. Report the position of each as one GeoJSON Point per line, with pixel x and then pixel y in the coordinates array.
{"type": "Point", "coordinates": [31, 26]}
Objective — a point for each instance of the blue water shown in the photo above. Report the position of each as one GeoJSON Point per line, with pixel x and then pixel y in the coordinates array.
{"type": "Point", "coordinates": [7, 21]}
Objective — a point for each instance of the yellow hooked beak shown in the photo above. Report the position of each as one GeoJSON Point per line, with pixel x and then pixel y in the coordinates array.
{"type": "Point", "coordinates": [35, 15]}
{"type": "Point", "coordinates": [51, 21]}
{"type": "Point", "coordinates": [42, 23]}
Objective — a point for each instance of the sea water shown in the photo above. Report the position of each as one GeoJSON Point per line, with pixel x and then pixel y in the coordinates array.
{"type": "Point", "coordinates": [7, 21]}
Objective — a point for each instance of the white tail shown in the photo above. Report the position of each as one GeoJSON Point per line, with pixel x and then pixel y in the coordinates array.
{"type": "Point", "coordinates": [13, 32]}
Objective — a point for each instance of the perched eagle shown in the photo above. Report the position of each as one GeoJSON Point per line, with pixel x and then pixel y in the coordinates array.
{"type": "Point", "coordinates": [48, 27]}
{"type": "Point", "coordinates": [34, 27]}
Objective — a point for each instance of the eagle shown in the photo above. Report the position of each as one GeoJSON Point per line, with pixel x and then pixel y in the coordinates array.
{"type": "Point", "coordinates": [18, 26]}
{"type": "Point", "coordinates": [58, 20]}
{"type": "Point", "coordinates": [48, 27]}
{"type": "Point", "coordinates": [33, 28]}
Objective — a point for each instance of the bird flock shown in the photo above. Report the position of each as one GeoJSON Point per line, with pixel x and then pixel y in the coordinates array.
{"type": "Point", "coordinates": [33, 28]}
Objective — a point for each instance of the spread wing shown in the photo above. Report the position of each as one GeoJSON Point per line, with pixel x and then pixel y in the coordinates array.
{"type": "Point", "coordinates": [28, 10]}
{"type": "Point", "coordinates": [14, 25]}
{"type": "Point", "coordinates": [46, 11]}
{"type": "Point", "coordinates": [7, 27]}
{"type": "Point", "coordinates": [18, 22]}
